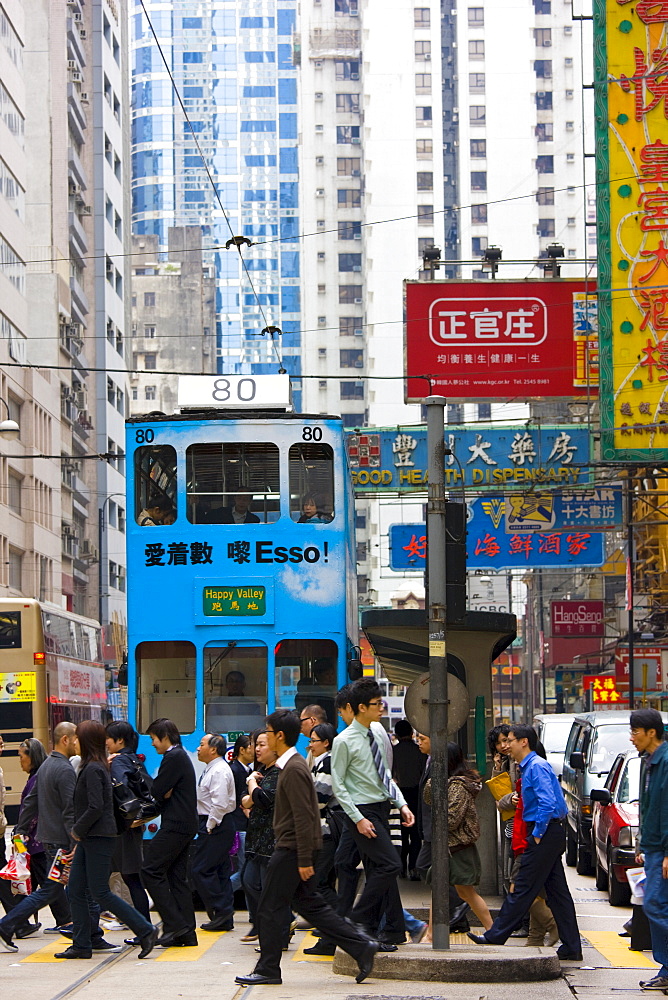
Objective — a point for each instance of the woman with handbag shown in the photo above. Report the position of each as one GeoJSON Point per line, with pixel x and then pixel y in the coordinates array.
{"type": "Point", "coordinates": [94, 831]}
{"type": "Point", "coordinates": [121, 745]}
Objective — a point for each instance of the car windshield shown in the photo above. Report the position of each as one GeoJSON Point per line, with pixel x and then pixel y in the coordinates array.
{"type": "Point", "coordinates": [629, 786]}
{"type": "Point", "coordinates": [555, 736]}
{"type": "Point", "coordinates": [608, 742]}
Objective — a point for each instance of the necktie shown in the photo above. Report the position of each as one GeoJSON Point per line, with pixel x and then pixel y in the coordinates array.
{"type": "Point", "coordinates": [383, 773]}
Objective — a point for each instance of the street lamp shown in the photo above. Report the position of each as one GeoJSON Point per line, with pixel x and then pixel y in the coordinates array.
{"type": "Point", "coordinates": [9, 429]}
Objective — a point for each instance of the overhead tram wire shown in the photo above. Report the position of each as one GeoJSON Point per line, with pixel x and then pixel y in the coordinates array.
{"type": "Point", "coordinates": [237, 241]}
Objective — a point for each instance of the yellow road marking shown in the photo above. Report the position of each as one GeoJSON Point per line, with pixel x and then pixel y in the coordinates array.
{"type": "Point", "coordinates": [206, 940]}
{"type": "Point", "coordinates": [48, 952]}
{"type": "Point", "coordinates": [616, 950]}
{"type": "Point", "coordinates": [307, 941]}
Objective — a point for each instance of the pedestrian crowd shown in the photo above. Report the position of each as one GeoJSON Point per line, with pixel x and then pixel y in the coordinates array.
{"type": "Point", "coordinates": [289, 831]}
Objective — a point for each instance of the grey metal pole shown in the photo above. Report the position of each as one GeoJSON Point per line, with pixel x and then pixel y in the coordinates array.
{"type": "Point", "coordinates": [629, 584]}
{"type": "Point", "coordinates": [438, 673]}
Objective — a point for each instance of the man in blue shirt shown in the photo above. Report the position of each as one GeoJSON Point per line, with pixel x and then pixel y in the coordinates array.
{"type": "Point", "coordinates": [540, 865]}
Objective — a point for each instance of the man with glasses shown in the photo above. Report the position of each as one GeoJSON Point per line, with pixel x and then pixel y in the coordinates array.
{"type": "Point", "coordinates": [364, 787]}
{"type": "Point", "coordinates": [540, 864]}
{"type": "Point", "coordinates": [647, 736]}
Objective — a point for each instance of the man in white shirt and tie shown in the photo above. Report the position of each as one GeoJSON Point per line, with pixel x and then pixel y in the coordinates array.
{"type": "Point", "coordinates": [216, 801]}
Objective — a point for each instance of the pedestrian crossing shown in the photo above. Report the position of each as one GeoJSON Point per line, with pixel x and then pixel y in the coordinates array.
{"type": "Point", "coordinates": [617, 952]}
{"type": "Point", "coordinates": [206, 940]}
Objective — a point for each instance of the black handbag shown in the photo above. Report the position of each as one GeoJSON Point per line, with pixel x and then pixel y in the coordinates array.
{"type": "Point", "coordinates": [126, 805]}
{"type": "Point", "coordinates": [140, 783]}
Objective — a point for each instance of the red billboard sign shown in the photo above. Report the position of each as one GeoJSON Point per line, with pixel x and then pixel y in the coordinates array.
{"type": "Point", "coordinates": [493, 339]}
{"type": "Point", "coordinates": [647, 667]}
{"type": "Point", "coordinates": [578, 618]}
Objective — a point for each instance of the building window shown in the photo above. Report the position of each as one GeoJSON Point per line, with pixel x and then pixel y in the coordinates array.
{"type": "Point", "coordinates": [542, 6]}
{"type": "Point", "coordinates": [347, 134]}
{"type": "Point", "coordinates": [478, 180]}
{"type": "Point", "coordinates": [149, 298]}
{"type": "Point", "coordinates": [350, 294]}
{"type": "Point", "coordinates": [348, 197]}
{"type": "Point", "coordinates": [543, 37]}
{"type": "Point", "coordinates": [570, 157]}
{"type": "Point", "coordinates": [423, 83]}
{"type": "Point", "coordinates": [350, 230]}
{"type": "Point", "coordinates": [545, 131]}
{"type": "Point", "coordinates": [351, 358]}
{"type": "Point", "coordinates": [14, 492]}
{"type": "Point", "coordinates": [349, 326]}
{"type": "Point", "coordinates": [476, 17]}
{"type": "Point", "coordinates": [422, 51]}
{"type": "Point", "coordinates": [570, 126]}
{"type": "Point", "coordinates": [546, 227]}
{"type": "Point", "coordinates": [484, 411]}
{"type": "Point", "coordinates": [478, 214]}
{"type": "Point", "coordinates": [422, 17]}
{"type": "Point", "coordinates": [545, 164]}
{"type": "Point", "coordinates": [422, 116]}
{"type": "Point", "coordinates": [352, 390]}
{"type": "Point", "coordinates": [350, 262]}
{"type": "Point", "coordinates": [544, 100]}
{"type": "Point", "coordinates": [150, 361]}
{"type": "Point", "coordinates": [543, 68]}
{"type": "Point", "coordinates": [479, 245]}
{"type": "Point", "coordinates": [348, 166]}
{"type": "Point", "coordinates": [348, 103]}
{"type": "Point", "coordinates": [15, 569]}
{"type": "Point", "coordinates": [344, 8]}
{"type": "Point", "coordinates": [476, 83]}
{"type": "Point", "coordinates": [347, 69]}
{"type": "Point", "coordinates": [571, 220]}
{"type": "Point", "coordinates": [545, 196]}
{"type": "Point", "coordinates": [424, 243]}
{"type": "Point", "coordinates": [425, 215]}
{"type": "Point", "coordinates": [149, 392]}
{"type": "Point", "coordinates": [425, 180]}
{"type": "Point", "coordinates": [477, 49]}
{"type": "Point", "coordinates": [478, 149]}
{"type": "Point", "coordinates": [477, 114]}
{"type": "Point", "coordinates": [424, 149]}
{"type": "Point", "coordinates": [149, 332]}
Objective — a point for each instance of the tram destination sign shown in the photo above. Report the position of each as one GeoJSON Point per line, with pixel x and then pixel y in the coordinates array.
{"type": "Point", "coordinates": [394, 459]}
{"type": "Point", "coordinates": [234, 392]}
{"type": "Point", "coordinates": [234, 601]}
{"type": "Point", "coordinates": [21, 686]}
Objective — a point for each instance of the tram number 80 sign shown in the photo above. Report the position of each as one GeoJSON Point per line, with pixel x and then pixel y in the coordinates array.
{"type": "Point", "coordinates": [233, 601]}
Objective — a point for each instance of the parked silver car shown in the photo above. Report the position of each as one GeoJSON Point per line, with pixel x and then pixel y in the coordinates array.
{"type": "Point", "coordinates": [553, 731]}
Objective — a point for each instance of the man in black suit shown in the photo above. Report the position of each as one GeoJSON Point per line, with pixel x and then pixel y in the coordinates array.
{"type": "Point", "coordinates": [239, 512]}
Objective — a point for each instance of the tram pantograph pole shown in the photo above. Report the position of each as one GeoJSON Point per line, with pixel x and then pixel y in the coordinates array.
{"type": "Point", "coordinates": [438, 673]}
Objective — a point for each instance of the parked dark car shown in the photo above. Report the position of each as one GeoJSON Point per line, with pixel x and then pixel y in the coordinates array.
{"type": "Point", "coordinates": [615, 825]}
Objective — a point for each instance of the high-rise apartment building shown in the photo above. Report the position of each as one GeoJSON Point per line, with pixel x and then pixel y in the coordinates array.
{"type": "Point", "coordinates": [230, 167]}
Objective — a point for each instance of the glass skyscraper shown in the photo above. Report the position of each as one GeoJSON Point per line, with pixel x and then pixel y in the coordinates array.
{"type": "Point", "coordinates": [234, 66]}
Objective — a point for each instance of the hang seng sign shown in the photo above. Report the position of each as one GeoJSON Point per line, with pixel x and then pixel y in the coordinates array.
{"type": "Point", "coordinates": [395, 459]}
{"type": "Point", "coordinates": [500, 339]}
{"type": "Point", "coordinates": [632, 205]}
{"type": "Point", "coordinates": [577, 618]}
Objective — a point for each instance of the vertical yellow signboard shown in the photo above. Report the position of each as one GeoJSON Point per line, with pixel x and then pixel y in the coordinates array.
{"type": "Point", "coordinates": [631, 55]}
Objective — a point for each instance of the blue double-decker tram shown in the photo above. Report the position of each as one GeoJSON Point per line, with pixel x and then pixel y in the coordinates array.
{"type": "Point", "coordinates": [241, 559]}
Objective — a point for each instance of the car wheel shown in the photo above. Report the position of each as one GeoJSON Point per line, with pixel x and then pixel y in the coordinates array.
{"type": "Point", "coordinates": [601, 876]}
{"type": "Point", "coordinates": [583, 865]}
{"type": "Point", "coordinates": [619, 893]}
{"type": "Point", "coordinates": [571, 848]}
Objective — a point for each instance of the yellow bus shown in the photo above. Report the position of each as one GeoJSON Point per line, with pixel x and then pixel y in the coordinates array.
{"type": "Point", "coordinates": [51, 671]}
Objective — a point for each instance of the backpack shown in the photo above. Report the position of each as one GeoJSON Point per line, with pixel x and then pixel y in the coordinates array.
{"type": "Point", "coordinates": [140, 783]}
{"type": "Point", "coordinates": [126, 805]}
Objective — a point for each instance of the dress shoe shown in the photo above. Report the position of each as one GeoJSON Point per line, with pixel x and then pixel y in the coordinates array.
{"type": "Point", "coordinates": [478, 938]}
{"type": "Point", "coordinates": [188, 940]}
{"type": "Point", "coordinates": [135, 942]}
{"type": "Point", "coordinates": [386, 946]}
{"type": "Point", "coordinates": [392, 939]}
{"type": "Point", "coordinates": [457, 914]}
{"type": "Point", "coordinates": [621, 934]}
{"type": "Point", "coordinates": [366, 960]}
{"type": "Point", "coordinates": [255, 979]}
{"type": "Point", "coordinates": [169, 940]}
{"type": "Point", "coordinates": [462, 928]}
{"type": "Point", "coordinates": [319, 948]}
{"type": "Point", "coordinates": [148, 943]}
{"type": "Point", "coordinates": [73, 952]}
{"type": "Point", "coordinates": [413, 876]}
{"type": "Point", "coordinates": [27, 930]}
{"type": "Point", "coordinates": [568, 956]}
{"type": "Point", "coordinates": [6, 941]}
{"type": "Point", "coordinates": [249, 938]}
{"type": "Point", "coordinates": [103, 945]}
{"type": "Point", "coordinates": [218, 924]}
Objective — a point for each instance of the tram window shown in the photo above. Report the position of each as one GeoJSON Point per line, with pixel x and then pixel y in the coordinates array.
{"type": "Point", "coordinates": [306, 674]}
{"type": "Point", "coordinates": [166, 684]}
{"type": "Point", "coordinates": [235, 687]}
{"type": "Point", "coordinates": [155, 485]}
{"type": "Point", "coordinates": [10, 630]}
{"type": "Point", "coordinates": [233, 483]}
{"type": "Point", "coordinates": [311, 483]}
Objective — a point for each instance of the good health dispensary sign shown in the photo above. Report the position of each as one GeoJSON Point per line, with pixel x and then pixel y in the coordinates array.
{"type": "Point", "coordinates": [631, 87]}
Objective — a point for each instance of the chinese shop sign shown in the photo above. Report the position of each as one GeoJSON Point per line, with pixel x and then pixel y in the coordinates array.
{"type": "Point", "coordinates": [647, 667]}
{"type": "Point", "coordinates": [576, 618]}
{"type": "Point", "coordinates": [632, 185]}
{"type": "Point", "coordinates": [500, 340]}
{"type": "Point", "coordinates": [603, 689]}
{"type": "Point", "coordinates": [232, 601]}
{"type": "Point", "coordinates": [396, 459]}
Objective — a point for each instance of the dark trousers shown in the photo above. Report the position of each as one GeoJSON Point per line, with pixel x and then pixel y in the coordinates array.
{"type": "Point", "coordinates": [48, 894]}
{"type": "Point", "coordinates": [382, 867]}
{"type": "Point", "coordinates": [212, 868]}
{"type": "Point", "coordinates": [346, 860]}
{"type": "Point", "coordinates": [410, 835]}
{"type": "Point", "coordinates": [283, 887]}
{"type": "Point", "coordinates": [253, 877]}
{"type": "Point", "coordinates": [91, 868]}
{"type": "Point", "coordinates": [165, 877]}
{"type": "Point", "coordinates": [39, 870]}
{"type": "Point", "coordinates": [325, 875]}
{"type": "Point", "coordinates": [540, 865]}
{"type": "Point", "coordinates": [137, 893]}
